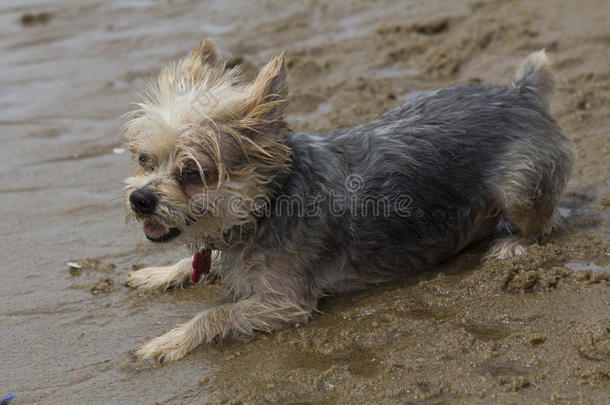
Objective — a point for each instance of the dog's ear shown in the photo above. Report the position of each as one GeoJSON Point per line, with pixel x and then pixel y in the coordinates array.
{"type": "Point", "coordinates": [270, 84]}
{"type": "Point", "coordinates": [206, 52]}
{"type": "Point", "coordinates": [269, 92]}
{"type": "Point", "coordinates": [204, 63]}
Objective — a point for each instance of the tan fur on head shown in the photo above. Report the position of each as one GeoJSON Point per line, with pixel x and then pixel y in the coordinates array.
{"type": "Point", "coordinates": [198, 113]}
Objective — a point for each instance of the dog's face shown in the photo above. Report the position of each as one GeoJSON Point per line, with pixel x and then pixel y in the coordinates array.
{"type": "Point", "coordinates": [206, 148]}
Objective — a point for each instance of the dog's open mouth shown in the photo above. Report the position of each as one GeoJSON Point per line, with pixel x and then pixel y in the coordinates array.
{"type": "Point", "coordinates": [157, 232]}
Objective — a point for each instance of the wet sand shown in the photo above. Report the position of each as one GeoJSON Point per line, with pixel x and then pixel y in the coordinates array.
{"type": "Point", "coordinates": [528, 330]}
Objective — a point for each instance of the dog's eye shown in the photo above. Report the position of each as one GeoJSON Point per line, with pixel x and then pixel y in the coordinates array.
{"type": "Point", "coordinates": [146, 161]}
{"type": "Point", "coordinates": [191, 176]}
{"type": "Point", "coordinates": [193, 181]}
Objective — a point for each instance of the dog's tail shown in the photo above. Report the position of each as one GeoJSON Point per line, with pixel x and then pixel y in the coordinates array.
{"type": "Point", "coordinates": [534, 77]}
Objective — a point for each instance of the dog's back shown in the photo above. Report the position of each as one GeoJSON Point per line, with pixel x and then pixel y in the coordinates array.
{"type": "Point", "coordinates": [427, 178]}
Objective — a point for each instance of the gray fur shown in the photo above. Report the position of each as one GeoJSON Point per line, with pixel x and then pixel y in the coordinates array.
{"type": "Point", "coordinates": [465, 159]}
{"type": "Point", "coordinates": [453, 151]}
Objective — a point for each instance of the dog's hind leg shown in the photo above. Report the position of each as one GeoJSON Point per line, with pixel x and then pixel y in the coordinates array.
{"type": "Point", "coordinates": [537, 166]}
{"type": "Point", "coordinates": [162, 278]}
{"type": "Point", "coordinates": [528, 203]}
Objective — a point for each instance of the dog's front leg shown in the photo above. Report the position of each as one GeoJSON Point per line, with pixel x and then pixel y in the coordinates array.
{"type": "Point", "coordinates": [262, 311]}
{"type": "Point", "coordinates": [165, 277]}
{"type": "Point", "coordinates": [162, 278]}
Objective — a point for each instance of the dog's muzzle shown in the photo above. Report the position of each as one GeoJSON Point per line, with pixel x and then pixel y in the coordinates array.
{"type": "Point", "coordinates": [144, 202]}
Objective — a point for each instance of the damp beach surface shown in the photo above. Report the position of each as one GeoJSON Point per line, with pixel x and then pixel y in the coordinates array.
{"type": "Point", "coordinates": [528, 330]}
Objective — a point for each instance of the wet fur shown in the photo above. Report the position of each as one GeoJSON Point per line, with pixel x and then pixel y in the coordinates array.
{"type": "Point", "coordinates": [470, 158]}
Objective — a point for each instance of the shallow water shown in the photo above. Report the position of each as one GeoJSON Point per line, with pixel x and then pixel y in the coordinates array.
{"type": "Point", "coordinates": [527, 330]}
{"type": "Point", "coordinates": [583, 266]}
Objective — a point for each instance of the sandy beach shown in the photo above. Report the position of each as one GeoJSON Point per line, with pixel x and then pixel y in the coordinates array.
{"type": "Point", "coordinates": [534, 329]}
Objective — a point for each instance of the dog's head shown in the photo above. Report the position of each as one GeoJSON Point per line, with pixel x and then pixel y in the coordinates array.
{"type": "Point", "coordinates": [206, 147]}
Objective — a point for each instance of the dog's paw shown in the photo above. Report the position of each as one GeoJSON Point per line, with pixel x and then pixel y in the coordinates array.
{"type": "Point", "coordinates": [507, 248]}
{"type": "Point", "coordinates": [169, 347]}
{"type": "Point", "coordinates": [156, 278]}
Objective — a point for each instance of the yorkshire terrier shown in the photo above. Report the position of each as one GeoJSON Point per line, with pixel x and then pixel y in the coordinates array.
{"type": "Point", "coordinates": [292, 216]}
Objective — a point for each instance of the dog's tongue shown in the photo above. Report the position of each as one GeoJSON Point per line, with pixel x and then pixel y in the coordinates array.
{"type": "Point", "coordinates": [154, 230]}
{"type": "Point", "coordinates": [202, 262]}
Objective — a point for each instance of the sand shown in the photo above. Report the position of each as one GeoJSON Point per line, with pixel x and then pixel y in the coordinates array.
{"type": "Point", "coordinates": [529, 330]}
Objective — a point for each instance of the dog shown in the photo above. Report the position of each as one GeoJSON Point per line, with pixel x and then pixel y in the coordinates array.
{"type": "Point", "coordinates": [284, 218]}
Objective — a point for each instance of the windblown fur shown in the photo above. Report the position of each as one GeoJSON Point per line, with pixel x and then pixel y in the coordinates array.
{"type": "Point", "coordinates": [321, 213]}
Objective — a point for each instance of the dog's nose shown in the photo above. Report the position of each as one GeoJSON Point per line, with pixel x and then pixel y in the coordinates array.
{"type": "Point", "coordinates": [143, 201]}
